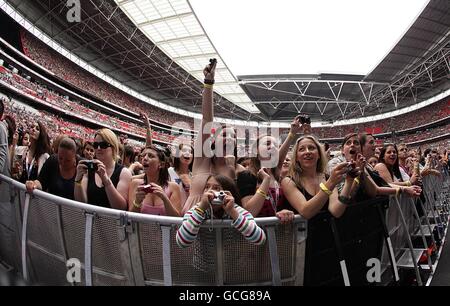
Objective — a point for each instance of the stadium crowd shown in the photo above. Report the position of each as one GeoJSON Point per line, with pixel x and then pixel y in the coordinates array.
{"type": "Point", "coordinates": [80, 78]}
{"type": "Point", "coordinates": [282, 177]}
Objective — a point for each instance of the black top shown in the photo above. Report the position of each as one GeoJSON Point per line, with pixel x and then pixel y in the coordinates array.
{"type": "Point", "coordinates": [52, 181]}
{"type": "Point", "coordinates": [321, 263]}
{"type": "Point", "coordinates": [97, 196]}
{"type": "Point", "coordinates": [247, 183]}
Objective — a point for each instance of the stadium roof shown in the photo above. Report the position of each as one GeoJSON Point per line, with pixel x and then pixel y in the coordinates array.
{"type": "Point", "coordinates": [414, 70]}
{"type": "Point", "coordinates": [174, 28]}
{"type": "Point", "coordinates": [108, 40]}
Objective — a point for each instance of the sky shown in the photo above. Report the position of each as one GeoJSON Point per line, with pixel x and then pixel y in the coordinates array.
{"type": "Point", "coordinates": [305, 36]}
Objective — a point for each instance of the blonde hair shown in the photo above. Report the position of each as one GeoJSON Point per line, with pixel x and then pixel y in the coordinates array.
{"type": "Point", "coordinates": [110, 138]}
{"type": "Point", "coordinates": [295, 170]}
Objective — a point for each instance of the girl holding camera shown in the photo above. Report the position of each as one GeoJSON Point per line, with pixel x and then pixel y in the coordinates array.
{"type": "Point", "coordinates": [103, 181]}
{"type": "Point", "coordinates": [220, 201]}
{"type": "Point", "coordinates": [154, 193]}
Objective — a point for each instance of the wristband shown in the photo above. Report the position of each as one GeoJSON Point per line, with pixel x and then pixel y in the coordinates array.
{"type": "Point", "coordinates": [136, 204]}
{"type": "Point", "coordinates": [325, 189]}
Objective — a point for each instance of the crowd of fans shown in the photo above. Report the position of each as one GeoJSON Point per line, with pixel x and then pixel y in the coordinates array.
{"type": "Point", "coordinates": [80, 78]}
{"type": "Point", "coordinates": [298, 175]}
{"type": "Point", "coordinates": [40, 92]}
{"type": "Point", "coordinates": [70, 72]}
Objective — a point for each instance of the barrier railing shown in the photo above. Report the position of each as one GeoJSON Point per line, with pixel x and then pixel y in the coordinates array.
{"type": "Point", "coordinates": [122, 248]}
{"type": "Point", "coordinates": [45, 237]}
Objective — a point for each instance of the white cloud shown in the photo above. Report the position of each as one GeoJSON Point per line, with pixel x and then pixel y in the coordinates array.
{"type": "Point", "coordinates": [305, 36]}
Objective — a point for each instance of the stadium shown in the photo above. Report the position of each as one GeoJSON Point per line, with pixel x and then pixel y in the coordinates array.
{"type": "Point", "coordinates": [127, 124]}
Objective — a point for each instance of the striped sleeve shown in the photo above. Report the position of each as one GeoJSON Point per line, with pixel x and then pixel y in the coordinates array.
{"type": "Point", "coordinates": [187, 233]}
{"type": "Point", "coordinates": [247, 226]}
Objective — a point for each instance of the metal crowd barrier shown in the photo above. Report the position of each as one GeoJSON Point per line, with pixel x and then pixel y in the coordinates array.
{"type": "Point", "coordinates": [42, 233]}
{"type": "Point", "coordinates": [44, 236]}
{"type": "Point", "coordinates": [416, 226]}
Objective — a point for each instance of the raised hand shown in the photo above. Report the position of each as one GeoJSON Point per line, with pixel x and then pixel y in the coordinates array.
{"type": "Point", "coordinates": [210, 70]}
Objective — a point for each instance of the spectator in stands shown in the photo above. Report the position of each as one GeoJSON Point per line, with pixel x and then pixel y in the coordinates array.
{"type": "Point", "coordinates": [206, 163]}
{"type": "Point", "coordinates": [154, 193]}
{"type": "Point", "coordinates": [88, 150]}
{"type": "Point", "coordinates": [58, 172]}
{"type": "Point", "coordinates": [309, 193]}
{"type": "Point", "coordinates": [351, 153]}
{"type": "Point", "coordinates": [264, 172]}
{"type": "Point", "coordinates": [373, 161]}
{"type": "Point", "coordinates": [244, 162]}
{"type": "Point", "coordinates": [37, 153]}
{"type": "Point", "coordinates": [128, 156]}
{"type": "Point", "coordinates": [367, 142]}
{"type": "Point", "coordinates": [12, 138]}
{"type": "Point", "coordinates": [5, 163]}
{"type": "Point", "coordinates": [181, 172]}
{"type": "Point", "coordinates": [225, 208]}
{"type": "Point", "coordinates": [402, 156]}
{"type": "Point", "coordinates": [103, 182]}
{"type": "Point", "coordinates": [286, 165]}
{"type": "Point", "coordinates": [389, 169]}
{"type": "Point", "coordinates": [306, 188]}
{"type": "Point", "coordinates": [55, 143]}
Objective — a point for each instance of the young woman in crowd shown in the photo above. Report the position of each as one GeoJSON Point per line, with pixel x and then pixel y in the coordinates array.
{"type": "Point", "coordinates": [367, 142]}
{"type": "Point", "coordinates": [58, 172]}
{"type": "Point", "coordinates": [258, 186]}
{"type": "Point", "coordinates": [154, 193]}
{"type": "Point", "coordinates": [181, 172]}
{"type": "Point", "coordinates": [389, 168]}
{"type": "Point", "coordinates": [103, 182]}
{"type": "Point", "coordinates": [362, 188]}
{"type": "Point", "coordinates": [226, 208]}
{"type": "Point", "coordinates": [36, 155]}
{"type": "Point", "coordinates": [311, 194]}
{"type": "Point", "coordinates": [207, 161]}
{"type": "Point", "coordinates": [88, 150]}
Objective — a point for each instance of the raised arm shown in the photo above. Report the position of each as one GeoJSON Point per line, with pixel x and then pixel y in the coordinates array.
{"type": "Point", "coordinates": [148, 130]}
{"type": "Point", "coordinates": [284, 149]}
{"type": "Point", "coordinates": [208, 115]}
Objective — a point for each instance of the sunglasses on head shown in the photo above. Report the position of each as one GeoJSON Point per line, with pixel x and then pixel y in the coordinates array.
{"type": "Point", "coordinates": [101, 145]}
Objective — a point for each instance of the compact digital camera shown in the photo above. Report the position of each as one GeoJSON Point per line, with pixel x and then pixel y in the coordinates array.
{"type": "Point", "coordinates": [304, 119]}
{"type": "Point", "coordinates": [351, 170]}
{"type": "Point", "coordinates": [219, 197]}
{"type": "Point", "coordinates": [146, 188]}
{"type": "Point", "coordinates": [91, 165]}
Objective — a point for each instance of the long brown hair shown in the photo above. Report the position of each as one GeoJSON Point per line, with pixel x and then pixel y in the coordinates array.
{"type": "Point", "coordinates": [43, 142]}
{"type": "Point", "coordinates": [255, 163]}
{"type": "Point", "coordinates": [295, 170]}
{"type": "Point", "coordinates": [163, 156]}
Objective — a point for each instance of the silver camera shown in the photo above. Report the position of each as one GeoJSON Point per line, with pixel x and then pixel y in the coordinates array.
{"type": "Point", "coordinates": [219, 196]}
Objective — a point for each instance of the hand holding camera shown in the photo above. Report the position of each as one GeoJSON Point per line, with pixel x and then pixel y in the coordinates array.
{"type": "Point", "coordinates": [209, 71]}
{"type": "Point", "coordinates": [146, 188]}
{"type": "Point", "coordinates": [337, 174]}
{"type": "Point", "coordinates": [219, 197]}
{"type": "Point", "coordinates": [91, 165]}
{"type": "Point", "coordinates": [303, 119]}
{"type": "Point", "coordinates": [352, 170]}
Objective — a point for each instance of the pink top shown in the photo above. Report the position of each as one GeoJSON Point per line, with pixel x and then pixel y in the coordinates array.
{"type": "Point", "coordinates": [159, 210]}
